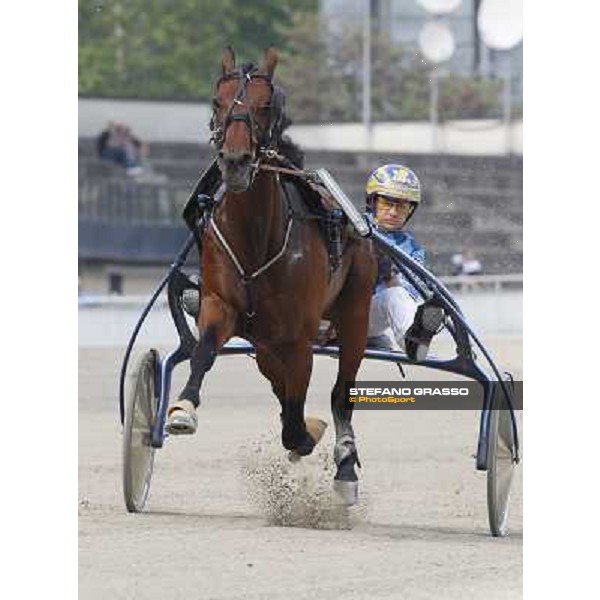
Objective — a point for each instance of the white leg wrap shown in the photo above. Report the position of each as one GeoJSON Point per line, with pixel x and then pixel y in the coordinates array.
{"type": "Point", "coordinates": [344, 447]}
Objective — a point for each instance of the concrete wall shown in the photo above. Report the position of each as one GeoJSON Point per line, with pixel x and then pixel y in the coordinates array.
{"type": "Point", "coordinates": [455, 137]}
{"type": "Point", "coordinates": [188, 122]}
{"type": "Point", "coordinates": [151, 120]}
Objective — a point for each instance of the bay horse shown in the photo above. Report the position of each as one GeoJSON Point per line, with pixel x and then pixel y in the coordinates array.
{"type": "Point", "coordinates": [266, 275]}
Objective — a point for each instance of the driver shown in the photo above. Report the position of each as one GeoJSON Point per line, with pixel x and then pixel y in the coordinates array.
{"type": "Point", "coordinates": [398, 318]}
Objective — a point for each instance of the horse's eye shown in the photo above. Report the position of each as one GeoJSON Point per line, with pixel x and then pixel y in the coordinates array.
{"type": "Point", "coordinates": [215, 103]}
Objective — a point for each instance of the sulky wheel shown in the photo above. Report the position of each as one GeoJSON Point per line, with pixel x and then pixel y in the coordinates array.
{"type": "Point", "coordinates": [500, 463]}
{"type": "Point", "coordinates": [140, 414]}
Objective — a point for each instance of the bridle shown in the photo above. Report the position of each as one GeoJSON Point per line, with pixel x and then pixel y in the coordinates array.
{"type": "Point", "coordinates": [264, 140]}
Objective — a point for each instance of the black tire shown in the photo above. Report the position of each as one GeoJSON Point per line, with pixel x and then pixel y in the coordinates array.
{"type": "Point", "coordinates": [500, 464]}
{"type": "Point", "coordinates": [140, 414]}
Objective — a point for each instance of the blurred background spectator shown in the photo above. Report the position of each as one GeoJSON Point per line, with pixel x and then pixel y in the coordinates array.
{"type": "Point", "coordinates": [118, 145]}
{"type": "Point", "coordinates": [466, 263]}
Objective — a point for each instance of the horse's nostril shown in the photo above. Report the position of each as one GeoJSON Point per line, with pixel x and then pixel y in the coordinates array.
{"type": "Point", "coordinates": [221, 154]}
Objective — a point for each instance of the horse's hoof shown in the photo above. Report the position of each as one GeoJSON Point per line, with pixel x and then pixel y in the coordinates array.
{"type": "Point", "coordinates": [315, 428]}
{"type": "Point", "coordinates": [347, 491]}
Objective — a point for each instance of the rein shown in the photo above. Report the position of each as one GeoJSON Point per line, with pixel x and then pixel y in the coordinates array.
{"type": "Point", "coordinates": [285, 170]}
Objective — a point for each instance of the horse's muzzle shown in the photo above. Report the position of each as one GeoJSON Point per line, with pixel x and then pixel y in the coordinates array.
{"type": "Point", "coordinates": [236, 169]}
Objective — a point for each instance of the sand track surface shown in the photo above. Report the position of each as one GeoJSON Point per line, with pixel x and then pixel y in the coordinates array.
{"type": "Point", "coordinates": [229, 517]}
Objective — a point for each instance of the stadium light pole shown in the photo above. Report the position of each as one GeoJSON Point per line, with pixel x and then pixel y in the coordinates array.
{"type": "Point", "coordinates": [434, 100]}
{"type": "Point", "coordinates": [507, 100]}
{"type": "Point", "coordinates": [500, 24]}
{"type": "Point", "coordinates": [437, 45]}
{"type": "Point", "coordinates": [366, 91]}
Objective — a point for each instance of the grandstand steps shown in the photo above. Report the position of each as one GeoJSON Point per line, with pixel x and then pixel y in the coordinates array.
{"type": "Point", "coordinates": [471, 202]}
{"type": "Point", "coordinates": [447, 241]}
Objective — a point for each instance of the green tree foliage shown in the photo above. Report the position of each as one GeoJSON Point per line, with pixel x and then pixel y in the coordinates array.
{"type": "Point", "coordinates": [171, 49]}
{"type": "Point", "coordinates": [315, 89]}
{"type": "Point", "coordinates": [469, 98]}
{"type": "Point", "coordinates": [322, 75]}
{"type": "Point", "coordinates": [155, 48]}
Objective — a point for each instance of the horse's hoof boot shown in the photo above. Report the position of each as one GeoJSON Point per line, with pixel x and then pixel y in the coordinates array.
{"type": "Point", "coordinates": [347, 491]}
{"type": "Point", "coordinates": [315, 428]}
{"type": "Point", "coordinates": [182, 418]}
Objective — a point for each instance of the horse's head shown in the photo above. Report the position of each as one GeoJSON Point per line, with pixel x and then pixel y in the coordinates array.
{"type": "Point", "coordinates": [247, 114]}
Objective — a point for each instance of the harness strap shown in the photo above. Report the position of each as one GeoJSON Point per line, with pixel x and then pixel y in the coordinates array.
{"type": "Point", "coordinates": [278, 255]}
{"type": "Point", "coordinates": [247, 279]}
{"type": "Point", "coordinates": [244, 277]}
{"type": "Point", "coordinates": [228, 249]}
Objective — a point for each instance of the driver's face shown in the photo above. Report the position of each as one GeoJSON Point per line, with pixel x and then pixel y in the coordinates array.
{"type": "Point", "coordinates": [391, 214]}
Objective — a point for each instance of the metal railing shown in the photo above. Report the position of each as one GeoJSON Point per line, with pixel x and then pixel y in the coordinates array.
{"type": "Point", "coordinates": [132, 202]}
{"type": "Point", "coordinates": [463, 284]}
{"type": "Point", "coordinates": [474, 283]}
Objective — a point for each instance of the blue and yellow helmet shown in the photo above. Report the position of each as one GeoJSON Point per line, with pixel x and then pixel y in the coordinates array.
{"type": "Point", "coordinates": [394, 181]}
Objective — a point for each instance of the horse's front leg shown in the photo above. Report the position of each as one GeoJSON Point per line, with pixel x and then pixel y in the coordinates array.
{"type": "Point", "coordinates": [216, 324]}
{"type": "Point", "coordinates": [271, 366]}
{"type": "Point", "coordinates": [297, 361]}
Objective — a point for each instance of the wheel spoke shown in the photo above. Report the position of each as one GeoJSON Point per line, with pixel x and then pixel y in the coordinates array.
{"type": "Point", "coordinates": [138, 453]}
{"type": "Point", "coordinates": [500, 469]}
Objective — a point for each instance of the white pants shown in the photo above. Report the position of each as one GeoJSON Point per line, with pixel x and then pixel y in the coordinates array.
{"type": "Point", "coordinates": [392, 313]}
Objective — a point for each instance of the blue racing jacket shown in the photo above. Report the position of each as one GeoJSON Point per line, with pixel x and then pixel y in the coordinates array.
{"type": "Point", "coordinates": [386, 269]}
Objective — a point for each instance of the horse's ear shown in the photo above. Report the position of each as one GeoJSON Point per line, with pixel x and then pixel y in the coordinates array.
{"type": "Point", "coordinates": [269, 61]}
{"type": "Point", "coordinates": [227, 60]}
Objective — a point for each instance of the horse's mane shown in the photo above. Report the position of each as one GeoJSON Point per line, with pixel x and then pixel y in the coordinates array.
{"type": "Point", "coordinates": [288, 148]}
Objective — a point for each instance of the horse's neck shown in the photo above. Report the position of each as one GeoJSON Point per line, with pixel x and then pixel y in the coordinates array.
{"type": "Point", "coordinates": [254, 221]}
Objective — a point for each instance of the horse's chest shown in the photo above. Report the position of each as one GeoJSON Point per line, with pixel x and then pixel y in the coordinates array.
{"type": "Point", "coordinates": [279, 316]}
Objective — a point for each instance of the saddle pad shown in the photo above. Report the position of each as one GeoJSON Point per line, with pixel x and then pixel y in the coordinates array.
{"type": "Point", "coordinates": [305, 199]}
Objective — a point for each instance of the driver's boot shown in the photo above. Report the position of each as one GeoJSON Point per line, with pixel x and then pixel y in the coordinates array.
{"type": "Point", "coordinates": [428, 318]}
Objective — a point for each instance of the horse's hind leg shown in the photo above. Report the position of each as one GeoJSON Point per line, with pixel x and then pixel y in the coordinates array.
{"type": "Point", "coordinates": [216, 325]}
{"type": "Point", "coordinates": [352, 324]}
